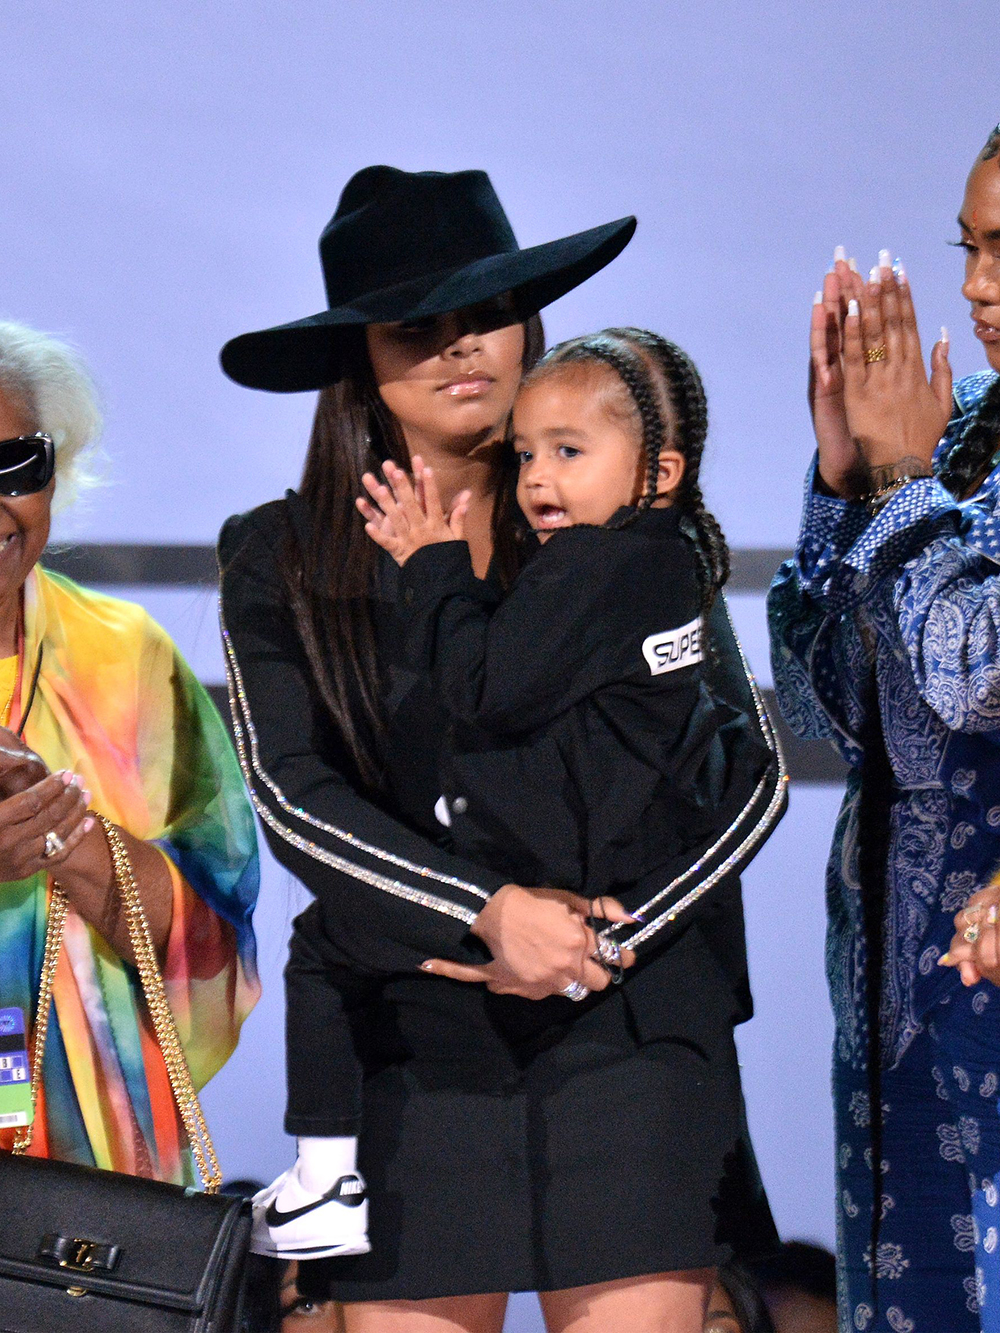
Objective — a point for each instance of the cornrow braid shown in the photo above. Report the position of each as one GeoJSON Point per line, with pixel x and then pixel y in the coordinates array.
{"type": "Point", "coordinates": [633, 354]}
{"type": "Point", "coordinates": [631, 369]}
{"type": "Point", "coordinates": [972, 453]}
{"type": "Point", "coordinates": [690, 406]}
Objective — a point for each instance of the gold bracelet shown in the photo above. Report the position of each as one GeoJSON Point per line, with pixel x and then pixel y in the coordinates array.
{"type": "Point", "coordinates": [877, 500]}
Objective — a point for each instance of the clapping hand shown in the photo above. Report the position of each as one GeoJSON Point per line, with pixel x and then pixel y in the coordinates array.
{"type": "Point", "coordinates": [877, 413]}
{"type": "Point", "coordinates": [406, 516]}
{"type": "Point", "coordinates": [43, 816]}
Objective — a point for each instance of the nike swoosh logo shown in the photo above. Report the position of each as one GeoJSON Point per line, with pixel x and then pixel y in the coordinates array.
{"type": "Point", "coordinates": [274, 1218]}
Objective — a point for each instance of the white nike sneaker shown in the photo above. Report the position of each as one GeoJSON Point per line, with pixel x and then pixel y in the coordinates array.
{"type": "Point", "coordinates": [291, 1222]}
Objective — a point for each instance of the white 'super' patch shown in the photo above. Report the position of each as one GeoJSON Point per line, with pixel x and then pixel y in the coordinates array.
{"type": "Point", "coordinates": [674, 649]}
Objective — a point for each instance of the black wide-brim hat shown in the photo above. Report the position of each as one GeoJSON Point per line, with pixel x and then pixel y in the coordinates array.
{"type": "Point", "coordinates": [407, 245]}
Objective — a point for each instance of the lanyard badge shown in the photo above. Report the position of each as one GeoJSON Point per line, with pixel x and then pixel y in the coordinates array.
{"type": "Point", "coordinates": [15, 1076]}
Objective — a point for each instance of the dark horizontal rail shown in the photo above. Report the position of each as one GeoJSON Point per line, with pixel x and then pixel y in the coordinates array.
{"type": "Point", "coordinates": [172, 565]}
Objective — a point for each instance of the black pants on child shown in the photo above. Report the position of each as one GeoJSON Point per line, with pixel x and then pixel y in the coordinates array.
{"type": "Point", "coordinates": [324, 1073]}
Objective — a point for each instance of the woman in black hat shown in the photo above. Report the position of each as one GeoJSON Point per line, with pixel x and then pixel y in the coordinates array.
{"type": "Point", "coordinates": [503, 1149]}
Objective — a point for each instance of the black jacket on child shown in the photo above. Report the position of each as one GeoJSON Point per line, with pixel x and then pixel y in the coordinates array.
{"type": "Point", "coordinates": [585, 748]}
{"type": "Point", "coordinates": [387, 895]}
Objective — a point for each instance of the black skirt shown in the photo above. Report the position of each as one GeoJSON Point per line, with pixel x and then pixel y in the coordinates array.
{"type": "Point", "coordinates": [518, 1146]}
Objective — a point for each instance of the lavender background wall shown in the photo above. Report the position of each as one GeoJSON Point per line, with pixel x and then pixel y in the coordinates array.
{"type": "Point", "coordinates": [167, 170]}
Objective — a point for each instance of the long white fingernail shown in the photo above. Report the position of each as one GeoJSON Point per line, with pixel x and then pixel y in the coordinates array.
{"type": "Point", "coordinates": [839, 255]}
{"type": "Point", "coordinates": [899, 271]}
{"type": "Point", "coordinates": [884, 259]}
{"type": "Point", "coordinates": [944, 336]}
{"type": "Point", "coordinates": [852, 264]}
{"type": "Point", "coordinates": [852, 307]}
{"type": "Point", "coordinates": [818, 299]}
{"type": "Point", "coordinates": [874, 274]}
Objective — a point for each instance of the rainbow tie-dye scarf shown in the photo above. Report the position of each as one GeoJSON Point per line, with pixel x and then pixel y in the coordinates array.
{"type": "Point", "coordinates": [117, 704]}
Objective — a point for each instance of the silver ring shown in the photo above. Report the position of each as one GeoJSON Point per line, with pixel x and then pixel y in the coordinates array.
{"type": "Point", "coordinates": [971, 934]}
{"type": "Point", "coordinates": [575, 991]}
{"type": "Point", "coordinates": [53, 844]}
{"type": "Point", "coordinates": [608, 951]}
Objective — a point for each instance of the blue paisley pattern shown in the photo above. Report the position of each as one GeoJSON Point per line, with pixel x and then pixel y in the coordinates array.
{"type": "Point", "coordinates": [911, 597]}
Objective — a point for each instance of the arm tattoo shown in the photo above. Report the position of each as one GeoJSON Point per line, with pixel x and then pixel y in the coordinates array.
{"type": "Point", "coordinates": [911, 466]}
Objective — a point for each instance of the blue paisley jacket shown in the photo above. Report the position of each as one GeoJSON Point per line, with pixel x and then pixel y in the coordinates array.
{"type": "Point", "coordinates": [912, 594]}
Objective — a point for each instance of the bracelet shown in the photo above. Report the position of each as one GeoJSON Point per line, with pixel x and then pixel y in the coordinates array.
{"type": "Point", "coordinates": [877, 500]}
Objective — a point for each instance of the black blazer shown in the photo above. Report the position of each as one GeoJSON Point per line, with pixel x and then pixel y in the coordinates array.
{"type": "Point", "coordinates": [389, 895]}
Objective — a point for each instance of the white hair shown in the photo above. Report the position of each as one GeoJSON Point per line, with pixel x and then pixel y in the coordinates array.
{"type": "Point", "coordinates": [46, 379]}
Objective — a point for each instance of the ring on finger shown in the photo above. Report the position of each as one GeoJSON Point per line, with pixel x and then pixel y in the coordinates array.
{"type": "Point", "coordinates": [609, 956]}
{"type": "Point", "coordinates": [970, 915]}
{"type": "Point", "coordinates": [971, 933]}
{"type": "Point", "coordinates": [53, 844]}
{"type": "Point", "coordinates": [575, 991]}
{"type": "Point", "coordinates": [876, 353]}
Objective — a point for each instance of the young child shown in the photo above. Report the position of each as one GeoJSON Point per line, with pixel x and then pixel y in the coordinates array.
{"type": "Point", "coordinates": [586, 749]}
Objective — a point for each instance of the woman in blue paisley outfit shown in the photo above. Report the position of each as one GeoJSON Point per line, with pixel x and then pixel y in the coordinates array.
{"type": "Point", "coordinates": [884, 630]}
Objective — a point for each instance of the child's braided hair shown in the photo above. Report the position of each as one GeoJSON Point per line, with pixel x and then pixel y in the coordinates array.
{"type": "Point", "coordinates": [643, 361]}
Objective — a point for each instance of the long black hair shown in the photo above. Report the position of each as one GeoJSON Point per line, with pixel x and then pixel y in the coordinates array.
{"type": "Point", "coordinates": [331, 572]}
{"type": "Point", "coordinates": [656, 371]}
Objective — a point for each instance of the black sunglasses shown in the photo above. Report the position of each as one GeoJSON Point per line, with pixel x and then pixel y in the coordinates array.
{"type": "Point", "coordinates": [26, 464]}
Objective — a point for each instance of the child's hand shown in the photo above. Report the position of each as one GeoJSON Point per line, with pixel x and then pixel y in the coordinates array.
{"type": "Point", "coordinates": [403, 519]}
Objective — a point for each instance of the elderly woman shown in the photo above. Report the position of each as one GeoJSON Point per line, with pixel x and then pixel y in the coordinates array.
{"type": "Point", "coordinates": [100, 693]}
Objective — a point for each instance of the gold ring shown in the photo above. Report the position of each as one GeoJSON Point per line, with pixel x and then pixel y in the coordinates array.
{"type": "Point", "coordinates": [970, 915]}
{"type": "Point", "coordinates": [876, 353]}
{"type": "Point", "coordinates": [971, 934]}
{"type": "Point", "coordinates": [53, 844]}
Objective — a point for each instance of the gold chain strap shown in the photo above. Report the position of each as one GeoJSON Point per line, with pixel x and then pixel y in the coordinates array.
{"type": "Point", "coordinates": [178, 1072]}
{"type": "Point", "coordinates": [58, 907]}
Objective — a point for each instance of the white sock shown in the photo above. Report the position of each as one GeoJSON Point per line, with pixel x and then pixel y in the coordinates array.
{"type": "Point", "coordinates": [321, 1162]}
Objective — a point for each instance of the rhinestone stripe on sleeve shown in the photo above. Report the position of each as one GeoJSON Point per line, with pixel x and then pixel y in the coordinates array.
{"type": "Point", "coordinates": [760, 829]}
{"type": "Point", "coordinates": [251, 765]}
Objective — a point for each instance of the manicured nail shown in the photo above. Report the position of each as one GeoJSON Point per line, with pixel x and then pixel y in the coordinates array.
{"type": "Point", "coordinates": [852, 264]}
{"type": "Point", "coordinates": [69, 779]}
{"type": "Point", "coordinates": [637, 916]}
{"type": "Point", "coordinates": [874, 274]}
{"type": "Point", "coordinates": [818, 299]}
{"type": "Point", "coordinates": [427, 967]}
{"type": "Point", "coordinates": [839, 255]}
{"type": "Point", "coordinates": [900, 271]}
{"type": "Point", "coordinates": [884, 259]}
{"type": "Point", "coordinates": [86, 797]}
{"type": "Point", "coordinates": [852, 307]}
{"type": "Point", "coordinates": [944, 336]}
{"type": "Point", "coordinates": [991, 915]}
{"type": "Point", "coordinates": [88, 823]}
{"type": "Point", "coordinates": [944, 960]}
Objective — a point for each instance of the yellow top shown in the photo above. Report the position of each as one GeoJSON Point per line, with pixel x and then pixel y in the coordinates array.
{"type": "Point", "coordinates": [8, 682]}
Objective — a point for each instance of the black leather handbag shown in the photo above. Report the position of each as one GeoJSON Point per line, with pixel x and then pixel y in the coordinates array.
{"type": "Point", "coordinates": [90, 1251]}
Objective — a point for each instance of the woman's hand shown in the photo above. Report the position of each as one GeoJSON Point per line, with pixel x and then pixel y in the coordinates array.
{"type": "Point", "coordinates": [56, 805]}
{"type": "Point", "coordinates": [841, 465]}
{"type": "Point", "coordinates": [405, 518]}
{"type": "Point", "coordinates": [20, 767]}
{"type": "Point", "coordinates": [975, 946]}
{"type": "Point", "coordinates": [895, 413]}
{"type": "Point", "coordinates": [540, 942]}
